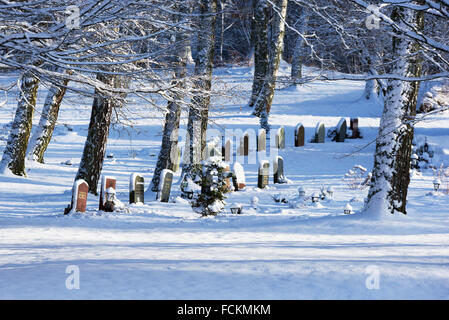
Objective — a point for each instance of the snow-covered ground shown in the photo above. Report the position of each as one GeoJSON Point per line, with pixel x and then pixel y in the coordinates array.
{"type": "Point", "coordinates": [274, 251]}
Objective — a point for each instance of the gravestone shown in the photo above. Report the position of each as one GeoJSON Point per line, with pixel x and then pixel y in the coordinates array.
{"type": "Point", "coordinates": [320, 132]}
{"type": "Point", "coordinates": [227, 178]}
{"type": "Point", "coordinates": [261, 140]}
{"type": "Point", "coordinates": [280, 138]}
{"type": "Point", "coordinates": [278, 170]}
{"type": "Point", "coordinates": [341, 130]}
{"type": "Point", "coordinates": [136, 188]}
{"type": "Point", "coordinates": [354, 126]}
{"type": "Point", "coordinates": [79, 195]}
{"type": "Point", "coordinates": [299, 135]}
{"type": "Point", "coordinates": [244, 146]}
{"type": "Point", "coordinates": [175, 158]}
{"type": "Point", "coordinates": [227, 151]}
{"type": "Point", "coordinates": [106, 183]}
{"type": "Point", "coordinates": [264, 171]}
{"type": "Point", "coordinates": [239, 176]}
{"type": "Point", "coordinates": [165, 183]}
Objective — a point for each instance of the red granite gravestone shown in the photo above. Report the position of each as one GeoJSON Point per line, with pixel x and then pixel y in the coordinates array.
{"type": "Point", "coordinates": [299, 135]}
{"type": "Point", "coordinates": [354, 125]}
{"type": "Point", "coordinates": [106, 182]}
{"type": "Point", "coordinates": [80, 191]}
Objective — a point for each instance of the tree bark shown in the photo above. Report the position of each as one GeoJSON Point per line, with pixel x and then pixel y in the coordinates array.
{"type": "Point", "coordinates": [199, 111]}
{"type": "Point", "coordinates": [275, 45]}
{"type": "Point", "coordinates": [298, 52]}
{"type": "Point", "coordinates": [169, 146]}
{"type": "Point", "coordinates": [15, 151]}
{"type": "Point", "coordinates": [44, 131]}
{"type": "Point", "coordinates": [95, 147]}
{"type": "Point", "coordinates": [391, 177]}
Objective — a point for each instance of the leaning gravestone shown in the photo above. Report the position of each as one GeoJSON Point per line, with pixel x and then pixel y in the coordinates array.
{"type": "Point", "coordinates": [319, 133]}
{"type": "Point", "coordinates": [280, 138]}
{"type": "Point", "coordinates": [165, 183]}
{"type": "Point", "coordinates": [261, 140]}
{"type": "Point", "coordinates": [278, 170]}
{"type": "Point", "coordinates": [136, 188]}
{"type": "Point", "coordinates": [341, 130]}
{"type": "Point", "coordinates": [227, 151]}
{"type": "Point", "coordinates": [79, 195]}
{"type": "Point", "coordinates": [106, 183]}
{"type": "Point", "coordinates": [264, 171]}
{"type": "Point", "coordinates": [239, 174]}
{"type": "Point", "coordinates": [299, 135]}
{"type": "Point", "coordinates": [354, 126]}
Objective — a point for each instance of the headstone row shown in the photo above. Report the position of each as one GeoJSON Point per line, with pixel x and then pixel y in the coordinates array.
{"type": "Point", "coordinates": [108, 191]}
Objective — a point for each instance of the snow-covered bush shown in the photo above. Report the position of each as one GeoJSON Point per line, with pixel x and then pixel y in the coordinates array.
{"type": "Point", "coordinates": [213, 187]}
{"type": "Point", "coordinates": [358, 178]}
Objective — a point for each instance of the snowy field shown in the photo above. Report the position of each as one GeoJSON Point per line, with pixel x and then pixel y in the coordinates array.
{"type": "Point", "coordinates": [274, 251]}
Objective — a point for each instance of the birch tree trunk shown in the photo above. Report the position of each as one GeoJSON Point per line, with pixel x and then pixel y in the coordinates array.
{"type": "Point", "coordinates": [199, 111]}
{"type": "Point", "coordinates": [97, 136]}
{"type": "Point", "coordinates": [391, 177]}
{"type": "Point", "coordinates": [13, 158]}
{"type": "Point", "coordinates": [44, 131]}
{"type": "Point", "coordinates": [276, 31]}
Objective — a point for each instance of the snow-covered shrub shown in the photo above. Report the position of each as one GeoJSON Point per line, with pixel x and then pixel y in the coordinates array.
{"type": "Point", "coordinates": [213, 187]}
{"type": "Point", "coordinates": [357, 178]}
{"type": "Point", "coordinates": [436, 96]}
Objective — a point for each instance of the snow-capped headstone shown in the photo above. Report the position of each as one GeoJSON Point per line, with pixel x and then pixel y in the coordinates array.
{"type": "Point", "coordinates": [261, 140]}
{"type": "Point", "coordinates": [136, 188]}
{"type": "Point", "coordinates": [299, 135]}
{"type": "Point", "coordinates": [354, 126]}
{"type": "Point", "coordinates": [280, 138]}
{"type": "Point", "coordinates": [278, 170]}
{"type": "Point", "coordinates": [165, 183]}
{"type": "Point", "coordinates": [320, 132]}
{"type": "Point", "coordinates": [341, 130]}
{"type": "Point", "coordinates": [79, 195]}
{"type": "Point", "coordinates": [264, 170]}
{"type": "Point", "coordinates": [106, 182]}
{"type": "Point", "coordinates": [227, 154]}
{"type": "Point", "coordinates": [239, 173]}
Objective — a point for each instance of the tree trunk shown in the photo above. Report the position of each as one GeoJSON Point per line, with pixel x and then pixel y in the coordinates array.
{"type": "Point", "coordinates": [199, 111]}
{"type": "Point", "coordinates": [172, 118]}
{"type": "Point", "coordinates": [95, 146]}
{"type": "Point", "coordinates": [275, 45]}
{"type": "Point", "coordinates": [16, 146]}
{"type": "Point", "coordinates": [391, 177]}
{"type": "Point", "coordinates": [44, 131]}
{"type": "Point", "coordinates": [259, 38]}
{"type": "Point", "coordinates": [298, 53]}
